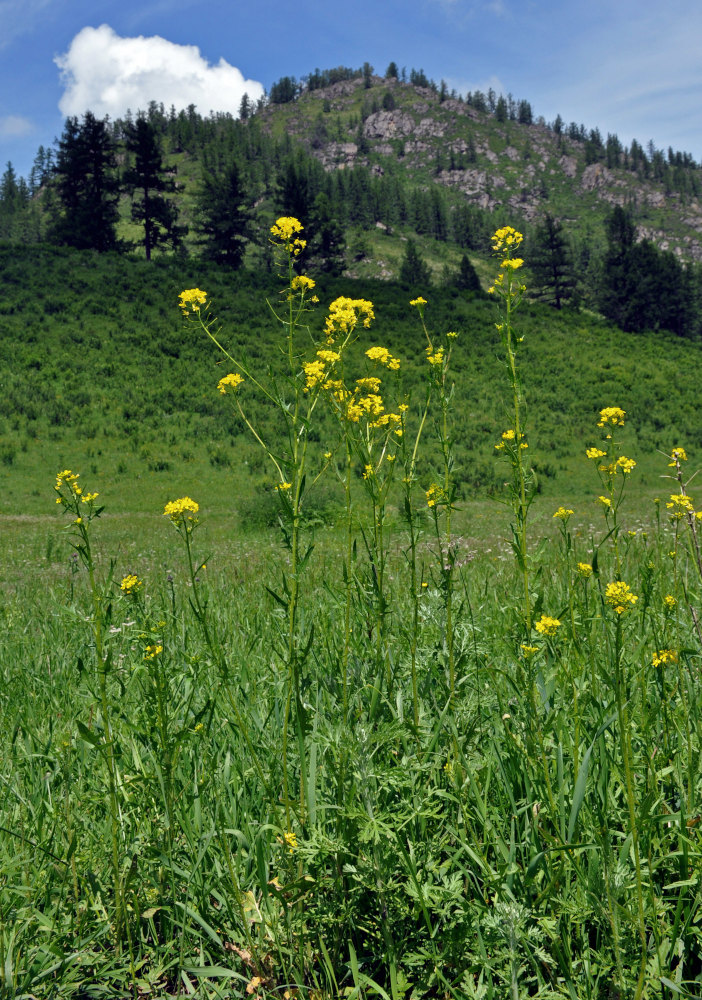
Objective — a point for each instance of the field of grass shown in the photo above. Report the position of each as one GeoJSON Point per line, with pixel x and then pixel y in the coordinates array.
{"type": "Point", "coordinates": [433, 734]}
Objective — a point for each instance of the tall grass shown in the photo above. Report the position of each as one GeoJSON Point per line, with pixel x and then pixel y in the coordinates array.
{"type": "Point", "coordinates": [372, 760]}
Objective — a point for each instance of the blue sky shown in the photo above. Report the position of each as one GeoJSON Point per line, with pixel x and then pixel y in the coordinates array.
{"type": "Point", "coordinates": [628, 67]}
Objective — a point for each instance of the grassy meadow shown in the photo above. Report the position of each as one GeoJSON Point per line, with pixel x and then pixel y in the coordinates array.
{"type": "Point", "coordinates": [333, 666]}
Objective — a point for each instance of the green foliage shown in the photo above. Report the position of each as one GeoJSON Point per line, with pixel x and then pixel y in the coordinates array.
{"type": "Point", "coordinates": [414, 272]}
{"type": "Point", "coordinates": [86, 186]}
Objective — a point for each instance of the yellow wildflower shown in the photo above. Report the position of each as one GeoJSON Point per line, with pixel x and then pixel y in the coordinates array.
{"type": "Point", "coordinates": [436, 495]}
{"type": "Point", "coordinates": [680, 505]}
{"type": "Point", "coordinates": [547, 626]}
{"type": "Point", "coordinates": [302, 283]}
{"type": "Point", "coordinates": [663, 656]}
{"type": "Point", "coordinates": [328, 357]}
{"type": "Point", "coordinates": [383, 356]}
{"type": "Point", "coordinates": [419, 301]}
{"type": "Point", "coordinates": [181, 510]}
{"type": "Point", "coordinates": [344, 314]}
{"type": "Point", "coordinates": [193, 299]}
{"type": "Point", "coordinates": [437, 358]}
{"type": "Point", "coordinates": [130, 585]}
{"type": "Point", "coordinates": [283, 487]}
{"type": "Point", "coordinates": [620, 597]}
{"type": "Point", "coordinates": [152, 652]}
{"type": "Point", "coordinates": [677, 455]}
{"type": "Point", "coordinates": [670, 602]}
{"type": "Point", "coordinates": [625, 464]}
{"type": "Point", "coordinates": [529, 651]}
{"type": "Point", "coordinates": [514, 263]}
{"type": "Point", "coordinates": [595, 453]}
{"type": "Point", "coordinates": [291, 841]}
{"type": "Point", "coordinates": [563, 513]}
{"type": "Point", "coordinates": [231, 381]}
{"type": "Point", "coordinates": [611, 415]}
{"type": "Point", "coordinates": [370, 384]}
{"type": "Point", "coordinates": [584, 570]}
{"type": "Point", "coordinates": [605, 501]}
{"type": "Point", "coordinates": [452, 335]}
{"type": "Point", "coordinates": [506, 238]}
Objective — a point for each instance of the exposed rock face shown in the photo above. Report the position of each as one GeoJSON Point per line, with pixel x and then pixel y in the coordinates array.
{"type": "Point", "coordinates": [569, 165]}
{"type": "Point", "coordinates": [386, 125]}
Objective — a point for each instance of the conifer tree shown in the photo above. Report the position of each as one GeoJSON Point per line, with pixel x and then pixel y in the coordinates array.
{"type": "Point", "coordinates": [551, 264]}
{"type": "Point", "coordinates": [87, 186]}
{"type": "Point", "coordinates": [414, 272]}
{"type": "Point", "coordinates": [224, 215]}
{"type": "Point", "coordinates": [147, 183]}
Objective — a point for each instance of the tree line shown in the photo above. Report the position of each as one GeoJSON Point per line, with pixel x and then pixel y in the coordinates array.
{"type": "Point", "coordinates": [101, 170]}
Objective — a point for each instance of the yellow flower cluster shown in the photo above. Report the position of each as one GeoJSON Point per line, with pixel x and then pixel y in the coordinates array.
{"type": "Point", "coordinates": [383, 356]}
{"type": "Point", "coordinates": [436, 495]}
{"type": "Point", "coordinates": [192, 300]}
{"type": "Point", "coordinates": [285, 228]}
{"type": "Point", "coordinates": [595, 453]}
{"type": "Point", "coordinates": [232, 381]}
{"type": "Point", "coordinates": [611, 415]}
{"type": "Point", "coordinates": [152, 652]}
{"type": "Point", "coordinates": [547, 626]}
{"type": "Point", "coordinates": [680, 505]}
{"type": "Point", "coordinates": [437, 357]}
{"type": "Point", "coordinates": [302, 283]}
{"type": "Point", "coordinates": [584, 570]}
{"type": "Point", "coordinates": [677, 456]}
{"type": "Point", "coordinates": [506, 239]}
{"type": "Point", "coordinates": [283, 232]}
{"type": "Point", "coordinates": [605, 501]}
{"type": "Point", "coordinates": [663, 656]}
{"type": "Point", "coordinates": [620, 597]}
{"type": "Point", "coordinates": [418, 302]}
{"type": "Point", "coordinates": [284, 487]}
{"type": "Point", "coordinates": [344, 314]}
{"type": "Point", "coordinates": [70, 480]}
{"type": "Point", "coordinates": [131, 585]}
{"type": "Point", "coordinates": [563, 513]}
{"type": "Point", "coordinates": [529, 651]}
{"type": "Point", "coordinates": [181, 510]}
{"type": "Point", "coordinates": [515, 263]}
{"type": "Point", "coordinates": [508, 437]}
{"type": "Point", "coordinates": [670, 602]}
{"type": "Point", "coordinates": [369, 384]}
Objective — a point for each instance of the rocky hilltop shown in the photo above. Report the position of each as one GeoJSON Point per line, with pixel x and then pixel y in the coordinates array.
{"type": "Point", "coordinates": [526, 168]}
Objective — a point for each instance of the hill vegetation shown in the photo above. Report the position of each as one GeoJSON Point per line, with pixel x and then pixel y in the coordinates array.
{"type": "Point", "coordinates": [370, 163]}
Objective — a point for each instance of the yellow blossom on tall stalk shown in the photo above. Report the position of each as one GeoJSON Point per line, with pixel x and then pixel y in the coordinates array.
{"type": "Point", "coordinates": [608, 465]}
{"type": "Point", "coordinates": [131, 585]}
{"type": "Point", "coordinates": [547, 626]}
{"type": "Point", "coordinates": [182, 512]}
{"type": "Point", "coordinates": [619, 596]}
{"type": "Point", "coordinates": [509, 291]}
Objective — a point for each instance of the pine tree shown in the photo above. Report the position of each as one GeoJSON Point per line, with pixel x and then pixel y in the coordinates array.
{"type": "Point", "coordinates": [467, 278]}
{"type": "Point", "coordinates": [224, 215]}
{"type": "Point", "coordinates": [86, 185]}
{"type": "Point", "coordinates": [551, 264]}
{"type": "Point", "coordinates": [147, 183]}
{"type": "Point", "coordinates": [414, 272]}
{"type": "Point", "coordinates": [327, 241]}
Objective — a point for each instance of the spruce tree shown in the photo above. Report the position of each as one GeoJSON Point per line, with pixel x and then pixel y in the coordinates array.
{"type": "Point", "coordinates": [551, 264]}
{"type": "Point", "coordinates": [224, 215]}
{"type": "Point", "coordinates": [414, 272]}
{"type": "Point", "coordinates": [87, 186]}
{"type": "Point", "coordinates": [147, 183]}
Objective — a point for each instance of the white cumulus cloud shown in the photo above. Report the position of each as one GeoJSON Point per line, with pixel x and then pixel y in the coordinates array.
{"type": "Point", "coordinates": [107, 74]}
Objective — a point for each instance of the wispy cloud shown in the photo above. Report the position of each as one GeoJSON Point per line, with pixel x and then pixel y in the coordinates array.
{"type": "Point", "coordinates": [20, 17]}
{"type": "Point", "coordinates": [14, 127]}
{"type": "Point", "coordinates": [107, 74]}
